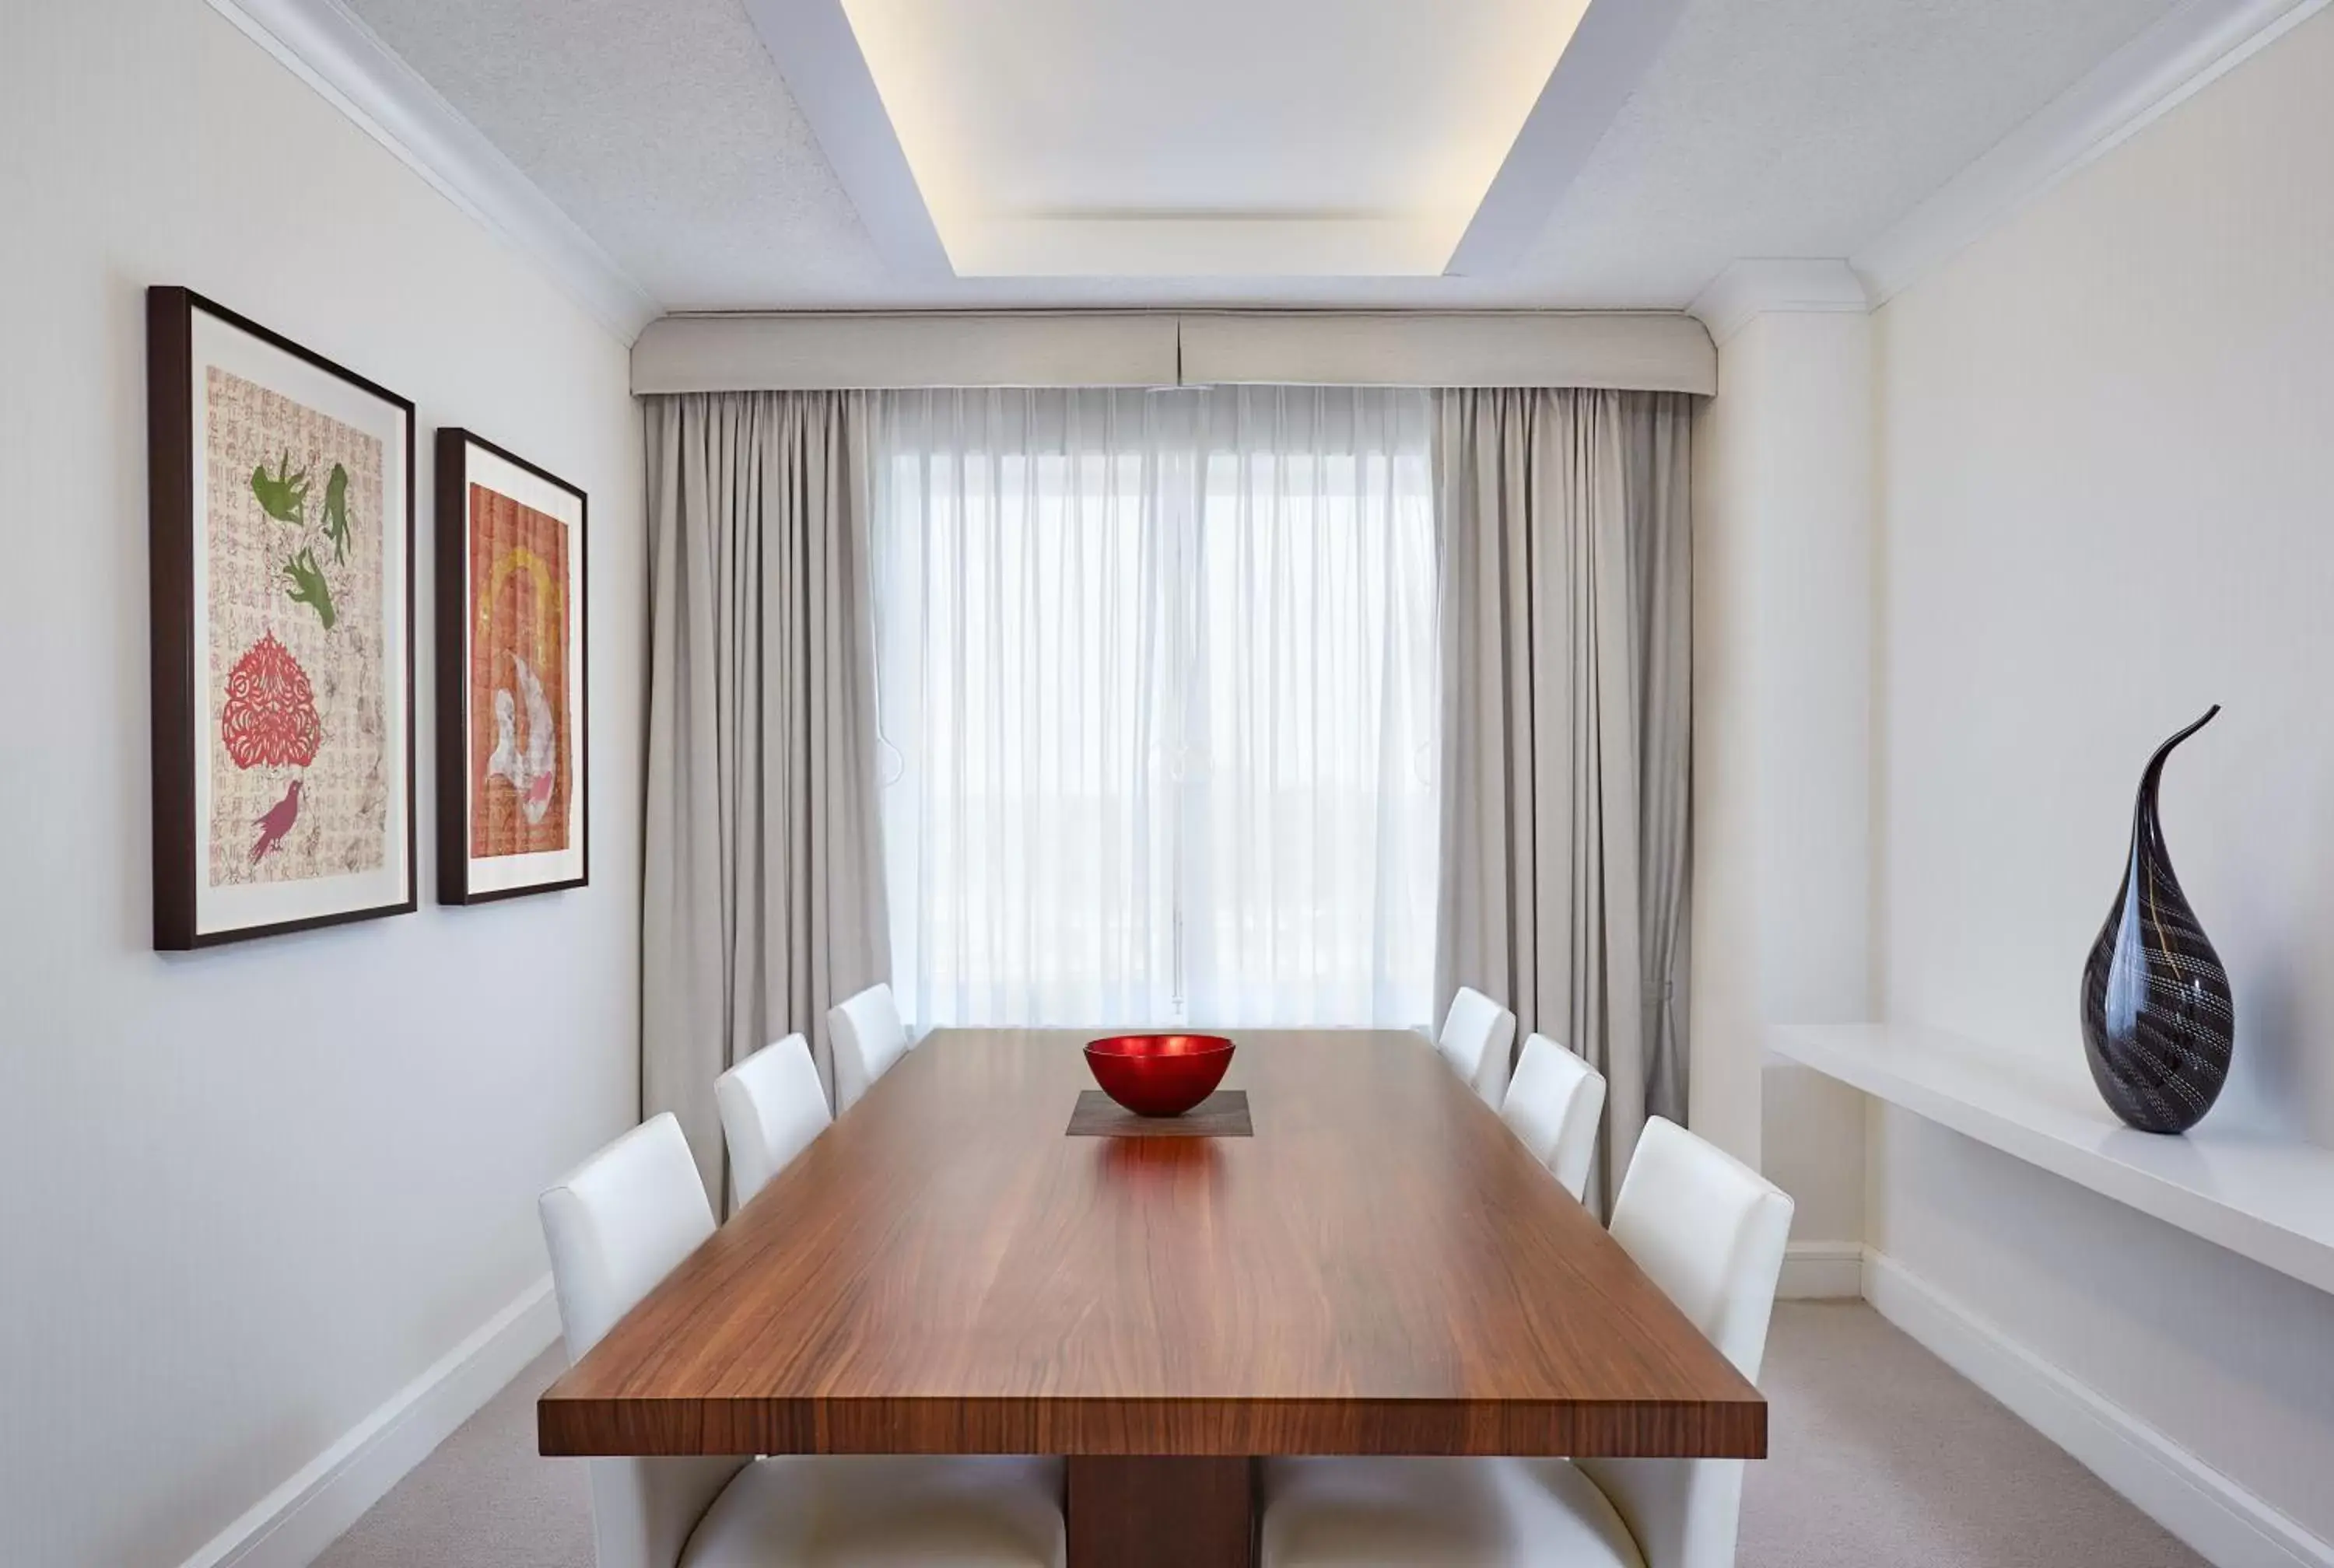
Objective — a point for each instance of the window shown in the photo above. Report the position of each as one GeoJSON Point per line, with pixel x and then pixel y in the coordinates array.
{"type": "Point", "coordinates": [1156, 673]}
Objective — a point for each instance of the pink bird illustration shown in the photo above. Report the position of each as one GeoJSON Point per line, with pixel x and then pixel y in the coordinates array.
{"type": "Point", "coordinates": [277, 821]}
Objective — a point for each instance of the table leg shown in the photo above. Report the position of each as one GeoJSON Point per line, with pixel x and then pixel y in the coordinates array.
{"type": "Point", "coordinates": [1162, 1513]}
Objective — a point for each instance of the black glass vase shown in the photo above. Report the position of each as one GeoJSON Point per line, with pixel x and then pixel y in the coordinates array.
{"type": "Point", "coordinates": [2157, 1020]}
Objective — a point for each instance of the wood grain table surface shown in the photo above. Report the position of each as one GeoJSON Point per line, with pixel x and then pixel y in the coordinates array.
{"type": "Point", "coordinates": [1380, 1268]}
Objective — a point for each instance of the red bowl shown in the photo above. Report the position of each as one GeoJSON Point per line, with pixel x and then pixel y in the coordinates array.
{"type": "Point", "coordinates": [1160, 1074]}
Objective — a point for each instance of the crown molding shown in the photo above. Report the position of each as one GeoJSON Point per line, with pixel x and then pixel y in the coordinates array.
{"type": "Point", "coordinates": [2131, 89]}
{"type": "Point", "coordinates": [1752, 287]}
{"type": "Point", "coordinates": [327, 47]}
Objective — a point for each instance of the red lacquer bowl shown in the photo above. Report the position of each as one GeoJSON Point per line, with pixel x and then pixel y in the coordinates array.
{"type": "Point", "coordinates": [1160, 1074]}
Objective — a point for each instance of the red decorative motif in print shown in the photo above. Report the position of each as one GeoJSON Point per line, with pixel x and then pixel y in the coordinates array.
{"type": "Point", "coordinates": [270, 715]}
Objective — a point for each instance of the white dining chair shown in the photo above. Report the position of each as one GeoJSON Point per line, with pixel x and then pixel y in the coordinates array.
{"type": "Point", "coordinates": [1477, 1033]}
{"type": "Point", "coordinates": [615, 1228]}
{"type": "Point", "coordinates": [772, 1105]}
{"type": "Point", "coordinates": [1554, 1104]}
{"type": "Point", "coordinates": [868, 1039]}
{"type": "Point", "coordinates": [1710, 1232]}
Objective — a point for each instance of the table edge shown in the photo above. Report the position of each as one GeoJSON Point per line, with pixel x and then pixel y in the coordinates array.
{"type": "Point", "coordinates": [1725, 1427]}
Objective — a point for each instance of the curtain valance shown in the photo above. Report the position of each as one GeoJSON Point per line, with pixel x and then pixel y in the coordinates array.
{"type": "Point", "coordinates": [1612, 350]}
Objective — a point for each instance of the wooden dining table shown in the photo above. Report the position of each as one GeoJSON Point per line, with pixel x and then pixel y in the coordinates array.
{"type": "Point", "coordinates": [1379, 1267]}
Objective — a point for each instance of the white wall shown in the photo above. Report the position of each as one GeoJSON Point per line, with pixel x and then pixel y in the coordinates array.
{"type": "Point", "coordinates": [247, 1194]}
{"type": "Point", "coordinates": [1783, 744]}
{"type": "Point", "coordinates": [2108, 459]}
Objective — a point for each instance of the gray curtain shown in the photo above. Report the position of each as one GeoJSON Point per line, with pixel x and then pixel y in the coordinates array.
{"type": "Point", "coordinates": [1566, 643]}
{"type": "Point", "coordinates": [763, 894]}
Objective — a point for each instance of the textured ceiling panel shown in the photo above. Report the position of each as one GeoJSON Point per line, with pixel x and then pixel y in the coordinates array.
{"type": "Point", "coordinates": [1804, 128]}
{"type": "Point", "coordinates": [1767, 128]}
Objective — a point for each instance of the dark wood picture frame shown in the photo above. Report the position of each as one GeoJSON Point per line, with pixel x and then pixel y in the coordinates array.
{"type": "Point", "coordinates": [178, 709]}
{"type": "Point", "coordinates": [452, 586]}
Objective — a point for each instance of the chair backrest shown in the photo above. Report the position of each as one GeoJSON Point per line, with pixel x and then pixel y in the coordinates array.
{"type": "Point", "coordinates": [772, 1105]}
{"type": "Point", "coordinates": [868, 1038]}
{"type": "Point", "coordinates": [1477, 1033]}
{"type": "Point", "coordinates": [1553, 1105]}
{"type": "Point", "coordinates": [1710, 1231]}
{"type": "Point", "coordinates": [615, 1228]}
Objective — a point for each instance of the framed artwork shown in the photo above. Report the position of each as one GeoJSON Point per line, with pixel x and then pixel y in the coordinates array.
{"type": "Point", "coordinates": [513, 776]}
{"type": "Point", "coordinates": [281, 539]}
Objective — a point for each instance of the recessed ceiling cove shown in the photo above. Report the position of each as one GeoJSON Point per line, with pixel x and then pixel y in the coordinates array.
{"type": "Point", "coordinates": [1209, 137]}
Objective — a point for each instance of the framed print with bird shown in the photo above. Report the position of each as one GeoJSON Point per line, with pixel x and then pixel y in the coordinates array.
{"type": "Point", "coordinates": [513, 779]}
{"type": "Point", "coordinates": [280, 517]}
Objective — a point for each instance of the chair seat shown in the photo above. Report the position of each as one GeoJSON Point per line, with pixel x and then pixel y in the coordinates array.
{"type": "Point", "coordinates": [835, 1512]}
{"type": "Point", "coordinates": [1439, 1514]}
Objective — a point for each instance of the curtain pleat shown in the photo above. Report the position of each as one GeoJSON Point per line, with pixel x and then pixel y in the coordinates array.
{"type": "Point", "coordinates": [763, 898]}
{"type": "Point", "coordinates": [1566, 623]}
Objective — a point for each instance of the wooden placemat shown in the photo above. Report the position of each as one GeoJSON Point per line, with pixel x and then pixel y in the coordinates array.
{"type": "Point", "coordinates": [1223, 1114]}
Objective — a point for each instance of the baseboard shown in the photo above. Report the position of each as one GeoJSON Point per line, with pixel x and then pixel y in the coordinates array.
{"type": "Point", "coordinates": [1821, 1271]}
{"type": "Point", "coordinates": [2219, 1519]}
{"type": "Point", "coordinates": [291, 1524]}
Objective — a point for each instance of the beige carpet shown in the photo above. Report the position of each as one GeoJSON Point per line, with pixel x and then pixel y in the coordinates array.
{"type": "Point", "coordinates": [1880, 1454]}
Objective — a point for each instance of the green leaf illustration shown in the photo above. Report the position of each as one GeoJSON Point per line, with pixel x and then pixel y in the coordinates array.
{"type": "Point", "coordinates": [308, 586]}
{"type": "Point", "coordinates": [283, 496]}
{"type": "Point", "coordinates": [336, 512]}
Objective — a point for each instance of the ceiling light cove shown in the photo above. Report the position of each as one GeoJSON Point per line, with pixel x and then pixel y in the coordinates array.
{"type": "Point", "coordinates": [1209, 137]}
{"type": "Point", "coordinates": [1195, 245]}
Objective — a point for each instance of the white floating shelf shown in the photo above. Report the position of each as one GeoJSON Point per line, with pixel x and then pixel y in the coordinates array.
{"type": "Point", "coordinates": [2264, 1196]}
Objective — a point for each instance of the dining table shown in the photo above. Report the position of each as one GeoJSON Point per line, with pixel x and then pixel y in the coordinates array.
{"type": "Point", "coordinates": [1371, 1264]}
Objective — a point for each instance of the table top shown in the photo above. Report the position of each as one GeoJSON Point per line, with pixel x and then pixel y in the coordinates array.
{"type": "Point", "coordinates": [1380, 1268]}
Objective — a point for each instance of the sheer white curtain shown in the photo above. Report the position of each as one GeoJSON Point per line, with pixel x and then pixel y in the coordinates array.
{"type": "Point", "coordinates": [1156, 672]}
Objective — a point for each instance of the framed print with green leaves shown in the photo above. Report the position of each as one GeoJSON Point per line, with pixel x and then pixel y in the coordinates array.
{"type": "Point", "coordinates": [280, 538]}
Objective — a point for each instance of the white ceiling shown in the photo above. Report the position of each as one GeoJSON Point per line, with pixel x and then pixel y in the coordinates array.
{"type": "Point", "coordinates": [1764, 128]}
{"type": "Point", "coordinates": [1101, 138]}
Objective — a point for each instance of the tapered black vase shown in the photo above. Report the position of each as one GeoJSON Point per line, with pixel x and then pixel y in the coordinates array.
{"type": "Point", "coordinates": [2157, 1020]}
